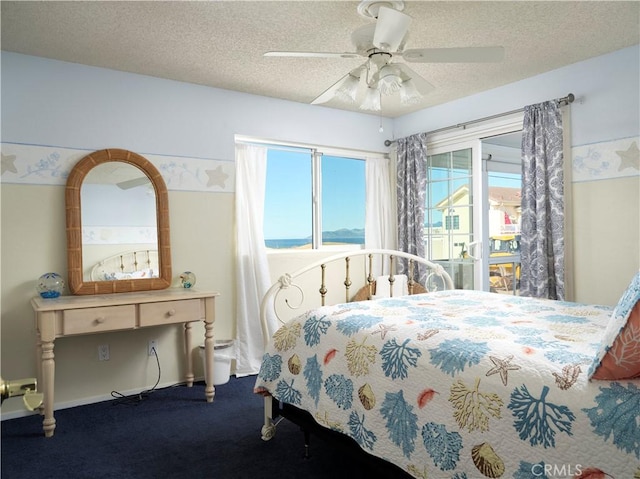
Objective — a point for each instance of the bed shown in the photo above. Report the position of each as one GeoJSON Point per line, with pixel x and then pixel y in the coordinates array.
{"type": "Point", "coordinates": [460, 384]}
{"type": "Point", "coordinates": [137, 264]}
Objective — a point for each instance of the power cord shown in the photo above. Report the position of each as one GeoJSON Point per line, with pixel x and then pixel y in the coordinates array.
{"type": "Point", "coordinates": [135, 399]}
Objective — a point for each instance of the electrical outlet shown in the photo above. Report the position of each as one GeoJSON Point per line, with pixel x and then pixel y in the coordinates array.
{"type": "Point", "coordinates": [103, 352]}
{"type": "Point", "coordinates": [153, 344]}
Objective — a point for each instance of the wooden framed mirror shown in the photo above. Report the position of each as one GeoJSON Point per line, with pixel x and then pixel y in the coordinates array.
{"type": "Point", "coordinates": [135, 268]}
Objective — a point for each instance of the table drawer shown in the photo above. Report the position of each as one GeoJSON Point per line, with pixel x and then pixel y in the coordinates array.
{"type": "Point", "coordinates": [95, 320]}
{"type": "Point", "coordinates": [170, 312]}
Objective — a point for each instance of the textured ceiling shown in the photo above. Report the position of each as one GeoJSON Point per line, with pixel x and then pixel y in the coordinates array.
{"type": "Point", "coordinates": [221, 43]}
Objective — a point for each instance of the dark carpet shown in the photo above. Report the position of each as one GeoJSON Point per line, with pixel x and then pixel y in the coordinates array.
{"type": "Point", "coordinates": [172, 433]}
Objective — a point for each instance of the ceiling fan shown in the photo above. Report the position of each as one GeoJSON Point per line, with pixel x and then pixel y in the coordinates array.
{"type": "Point", "coordinates": [381, 43]}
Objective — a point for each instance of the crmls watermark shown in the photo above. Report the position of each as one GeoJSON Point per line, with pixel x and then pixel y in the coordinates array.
{"type": "Point", "coordinates": [556, 470]}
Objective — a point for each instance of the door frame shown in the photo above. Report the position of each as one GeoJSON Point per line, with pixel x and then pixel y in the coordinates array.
{"type": "Point", "coordinates": [471, 137]}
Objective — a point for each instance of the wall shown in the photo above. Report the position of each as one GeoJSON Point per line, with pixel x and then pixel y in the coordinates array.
{"type": "Point", "coordinates": [604, 121]}
{"type": "Point", "coordinates": [70, 106]}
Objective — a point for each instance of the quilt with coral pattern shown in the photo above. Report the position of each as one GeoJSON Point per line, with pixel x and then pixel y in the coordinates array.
{"type": "Point", "coordinates": [461, 385]}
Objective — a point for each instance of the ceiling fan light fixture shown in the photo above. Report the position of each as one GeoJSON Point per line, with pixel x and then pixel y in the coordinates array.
{"type": "Point", "coordinates": [390, 81]}
{"type": "Point", "coordinates": [371, 100]}
{"type": "Point", "coordinates": [349, 89]}
{"type": "Point", "coordinates": [409, 94]}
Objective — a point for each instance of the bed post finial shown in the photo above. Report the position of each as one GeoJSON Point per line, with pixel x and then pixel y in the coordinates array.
{"type": "Point", "coordinates": [370, 279]}
{"type": "Point", "coordinates": [347, 280]}
{"type": "Point", "coordinates": [323, 289]}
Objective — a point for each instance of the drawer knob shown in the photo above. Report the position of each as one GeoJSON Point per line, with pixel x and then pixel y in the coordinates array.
{"type": "Point", "coordinates": [171, 312]}
{"type": "Point", "coordinates": [99, 320]}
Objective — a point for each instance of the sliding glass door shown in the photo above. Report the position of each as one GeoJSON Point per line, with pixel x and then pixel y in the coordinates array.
{"type": "Point", "coordinates": [451, 213]}
{"type": "Point", "coordinates": [501, 156]}
{"type": "Point", "coordinates": [472, 206]}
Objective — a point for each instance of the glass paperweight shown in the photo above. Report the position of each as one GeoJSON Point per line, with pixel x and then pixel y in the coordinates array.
{"type": "Point", "coordinates": [50, 285]}
{"type": "Point", "coordinates": [188, 279]}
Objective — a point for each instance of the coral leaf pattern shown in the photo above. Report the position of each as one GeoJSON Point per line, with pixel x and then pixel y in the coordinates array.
{"type": "Point", "coordinates": [313, 375]}
{"type": "Point", "coordinates": [353, 324]}
{"type": "Point", "coordinates": [569, 376]}
{"type": "Point", "coordinates": [626, 348]}
{"type": "Point", "coordinates": [396, 358]}
{"type": "Point", "coordinates": [314, 328]}
{"type": "Point", "coordinates": [360, 357]}
{"type": "Point", "coordinates": [286, 337]}
{"type": "Point", "coordinates": [287, 393]}
{"type": "Point", "coordinates": [401, 421]}
{"type": "Point", "coordinates": [617, 414]}
{"type": "Point", "coordinates": [340, 389]}
{"type": "Point", "coordinates": [538, 420]}
{"type": "Point", "coordinates": [472, 408]}
{"type": "Point", "coordinates": [452, 355]}
{"type": "Point", "coordinates": [443, 446]}
{"type": "Point", "coordinates": [270, 367]}
{"type": "Point", "coordinates": [363, 436]}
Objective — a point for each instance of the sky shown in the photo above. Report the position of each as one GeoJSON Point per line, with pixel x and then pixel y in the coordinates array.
{"type": "Point", "coordinates": [288, 202]}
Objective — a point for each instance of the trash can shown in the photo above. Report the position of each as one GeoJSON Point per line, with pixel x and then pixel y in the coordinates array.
{"type": "Point", "coordinates": [223, 353]}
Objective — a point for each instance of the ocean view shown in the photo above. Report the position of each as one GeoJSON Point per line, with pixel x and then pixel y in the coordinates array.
{"type": "Point", "coordinates": [297, 243]}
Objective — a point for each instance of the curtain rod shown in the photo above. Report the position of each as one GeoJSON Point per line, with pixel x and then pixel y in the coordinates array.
{"type": "Point", "coordinates": [566, 100]}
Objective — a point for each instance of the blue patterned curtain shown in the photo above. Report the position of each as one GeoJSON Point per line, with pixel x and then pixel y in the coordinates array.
{"type": "Point", "coordinates": [411, 191]}
{"type": "Point", "coordinates": [542, 241]}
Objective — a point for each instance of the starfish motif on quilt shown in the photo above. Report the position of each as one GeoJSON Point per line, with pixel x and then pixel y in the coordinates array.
{"type": "Point", "coordinates": [502, 367]}
{"type": "Point", "coordinates": [630, 158]}
{"type": "Point", "coordinates": [217, 177]}
{"type": "Point", "coordinates": [384, 329]}
{"type": "Point", "coordinates": [7, 163]}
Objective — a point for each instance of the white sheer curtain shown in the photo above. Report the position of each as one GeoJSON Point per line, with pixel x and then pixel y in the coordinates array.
{"type": "Point", "coordinates": [252, 270]}
{"type": "Point", "coordinates": [380, 211]}
{"type": "Point", "coordinates": [380, 216]}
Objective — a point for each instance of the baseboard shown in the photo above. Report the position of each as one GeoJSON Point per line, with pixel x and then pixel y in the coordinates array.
{"type": "Point", "coordinates": [82, 402]}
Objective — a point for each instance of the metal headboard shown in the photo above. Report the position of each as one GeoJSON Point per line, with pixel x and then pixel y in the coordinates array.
{"type": "Point", "coordinates": [289, 283]}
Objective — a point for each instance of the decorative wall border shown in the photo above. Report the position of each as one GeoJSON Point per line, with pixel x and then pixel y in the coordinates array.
{"type": "Point", "coordinates": [50, 165]}
{"type": "Point", "coordinates": [606, 160]}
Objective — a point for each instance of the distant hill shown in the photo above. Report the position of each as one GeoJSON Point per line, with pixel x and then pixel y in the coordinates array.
{"type": "Point", "coordinates": [344, 233]}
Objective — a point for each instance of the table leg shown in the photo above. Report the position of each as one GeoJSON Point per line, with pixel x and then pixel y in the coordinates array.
{"type": "Point", "coordinates": [48, 377]}
{"type": "Point", "coordinates": [189, 358]}
{"type": "Point", "coordinates": [208, 363]}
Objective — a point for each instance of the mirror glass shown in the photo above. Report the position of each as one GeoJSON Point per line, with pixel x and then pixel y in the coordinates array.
{"type": "Point", "coordinates": [117, 215]}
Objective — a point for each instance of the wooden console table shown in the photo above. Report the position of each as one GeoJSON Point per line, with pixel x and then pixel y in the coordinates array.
{"type": "Point", "coordinates": [76, 315]}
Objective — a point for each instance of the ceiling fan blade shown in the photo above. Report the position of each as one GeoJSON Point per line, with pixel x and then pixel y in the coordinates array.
{"type": "Point", "coordinates": [391, 29]}
{"type": "Point", "coordinates": [422, 85]}
{"type": "Point", "coordinates": [454, 55]}
{"type": "Point", "coordinates": [312, 54]}
{"type": "Point", "coordinates": [330, 92]}
{"type": "Point", "coordinates": [128, 184]}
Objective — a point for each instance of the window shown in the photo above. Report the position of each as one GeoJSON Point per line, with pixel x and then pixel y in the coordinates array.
{"type": "Point", "coordinates": [452, 222]}
{"type": "Point", "coordinates": [313, 199]}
